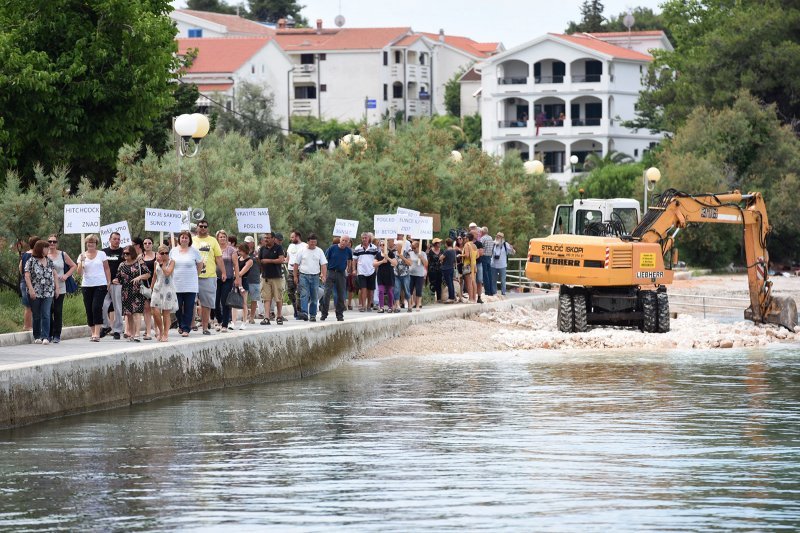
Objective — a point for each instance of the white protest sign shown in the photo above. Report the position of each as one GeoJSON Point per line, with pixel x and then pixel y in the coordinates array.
{"type": "Point", "coordinates": [81, 218]}
{"type": "Point", "coordinates": [385, 226]}
{"type": "Point", "coordinates": [345, 227]}
{"type": "Point", "coordinates": [162, 220]}
{"type": "Point", "coordinates": [121, 228]}
{"type": "Point", "coordinates": [423, 228]}
{"type": "Point", "coordinates": [405, 224]}
{"type": "Point", "coordinates": [407, 212]}
{"type": "Point", "coordinates": [253, 220]}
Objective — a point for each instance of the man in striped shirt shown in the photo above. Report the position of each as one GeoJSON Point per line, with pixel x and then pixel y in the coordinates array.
{"type": "Point", "coordinates": [364, 255]}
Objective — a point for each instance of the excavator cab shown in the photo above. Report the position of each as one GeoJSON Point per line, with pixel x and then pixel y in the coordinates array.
{"type": "Point", "coordinates": [584, 216]}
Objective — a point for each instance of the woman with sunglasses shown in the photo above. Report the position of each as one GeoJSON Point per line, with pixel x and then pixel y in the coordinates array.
{"type": "Point", "coordinates": [164, 300]}
{"type": "Point", "coordinates": [187, 265]}
{"type": "Point", "coordinates": [65, 267]}
{"type": "Point", "coordinates": [130, 274]}
{"type": "Point", "coordinates": [148, 256]}
{"type": "Point", "coordinates": [93, 267]}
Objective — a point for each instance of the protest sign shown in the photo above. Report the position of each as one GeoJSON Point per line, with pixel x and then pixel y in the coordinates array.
{"type": "Point", "coordinates": [407, 212]}
{"type": "Point", "coordinates": [162, 220]}
{"type": "Point", "coordinates": [405, 224]}
{"type": "Point", "coordinates": [385, 226]}
{"type": "Point", "coordinates": [345, 227]}
{"type": "Point", "coordinates": [253, 220]}
{"type": "Point", "coordinates": [423, 228]}
{"type": "Point", "coordinates": [81, 218]}
{"type": "Point", "coordinates": [121, 228]}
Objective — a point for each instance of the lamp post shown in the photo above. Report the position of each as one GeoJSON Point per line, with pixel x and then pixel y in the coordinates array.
{"type": "Point", "coordinates": [533, 167]}
{"type": "Point", "coordinates": [650, 177]}
{"type": "Point", "coordinates": [189, 127]}
{"type": "Point", "coordinates": [573, 160]}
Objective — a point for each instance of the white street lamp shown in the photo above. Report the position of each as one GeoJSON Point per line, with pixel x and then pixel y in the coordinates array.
{"type": "Point", "coordinates": [533, 167]}
{"type": "Point", "coordinates": [650, 177]}
{"type": "Point", "coordinates": [573, 160]}
{"type": "Point", "coordinates": [188, 127]}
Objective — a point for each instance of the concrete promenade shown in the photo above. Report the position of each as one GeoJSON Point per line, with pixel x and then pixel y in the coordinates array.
{"type": "Point", "coordinates": [39, 382]}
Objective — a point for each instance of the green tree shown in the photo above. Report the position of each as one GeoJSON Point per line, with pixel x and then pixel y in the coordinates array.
{"type": "Point", "coordinates": [159, 137]}
{"type": "Point", "coordinates": [610, 181]}
{"type": "Point", "coordinates": [742, 146]}
{"type": "Point", "coordinates": [273, 10]}
{"type": "Point", "coordinates": [644, 19]}
{"type": "Point", "coordinates": [612, 157]}
{"type": "Point", "coordinates": [252, 114]}
{"type": "Point", "coordinates": [80, 79]}
{"type": "Point", "coordinates": [452, 94]}
{"type": "Point", "coordinates": [213, 6]}
{"type": "Point", "coordinates": [721, 47]}
{"type": "Point", "coordinates": [592, 19]}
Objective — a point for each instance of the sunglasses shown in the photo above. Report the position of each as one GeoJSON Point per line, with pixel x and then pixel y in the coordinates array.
{"type": "Point", "coordinates": [148, 243]}
{"type": "Point", "coordinates": [163, 253]}
{"type": "Point", "coordinates": [202, 226]}
{"type": "Point", "coordinates": [53, 242]}
{"type": "Point", "coordinates": [126, 253]}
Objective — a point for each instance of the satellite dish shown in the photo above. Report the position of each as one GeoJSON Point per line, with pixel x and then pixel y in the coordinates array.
{"type": "Point", "coordinates": [629, 20]}
{"type": "Point", "coordinates": [198, 214]}
{"type": "Point", "coordinates": [339, 21]}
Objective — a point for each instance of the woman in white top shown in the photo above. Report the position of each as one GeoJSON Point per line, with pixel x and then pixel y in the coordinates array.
{"type": "Point", "coordinates": [93, 266]}
{"type": "Point", "coordinates": [185, 274]}
{"type": "Point", "coordinates": [64, 266]}
{"type": "Point", "coordinates": [164, 300]}
{"type": "Point", "coordinates": [419, 263]}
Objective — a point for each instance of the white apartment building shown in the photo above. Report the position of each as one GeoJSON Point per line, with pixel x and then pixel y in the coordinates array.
{"type": "Point", "coordinates": [201, 24]}
{"type": "Point", "coordinates": [564, 95]}
{"type": "Point", "coordinates": [222, 63]}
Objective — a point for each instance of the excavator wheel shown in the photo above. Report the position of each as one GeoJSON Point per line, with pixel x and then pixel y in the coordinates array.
{"type": "Point", "coordinates": [565, 311]}
{"type": "Point", "coordinates": [649, 310]}
{"type": "Point", "coordinates": [663, 312]}
{"type": "Point", "coordinates": [580, 306]}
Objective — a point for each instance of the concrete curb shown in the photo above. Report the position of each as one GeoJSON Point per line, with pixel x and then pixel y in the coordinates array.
{"type": "Point", "coordinates": [26, 337]}
{"type": "Point", "coordinates": [49, 388]}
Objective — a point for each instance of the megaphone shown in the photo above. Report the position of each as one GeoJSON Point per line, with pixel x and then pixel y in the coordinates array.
{"type": "Point", "coordinates": [198, 214]}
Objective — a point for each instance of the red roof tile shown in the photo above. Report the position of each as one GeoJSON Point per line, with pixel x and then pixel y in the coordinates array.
{"type": "Point", "coordinates": [214, 87]}
{"type": "Point", "coordinates": [408, 40]}
{"type": "Point", "coordinates": [293, 40]}
{"type": "Point", "coordinates": [221, 54]}
{"type": "Point", "coordinates": [600, 35]}
{"type": "Point", "coordinates": [233, 23]}
{"type": "Point", "coordinates": [466, 44]}
{"type": "Point", "coordinates": [603, 47]}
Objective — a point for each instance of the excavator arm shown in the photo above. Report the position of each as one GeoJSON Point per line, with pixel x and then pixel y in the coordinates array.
{"type": "Point", "coordinates": [675, 210]}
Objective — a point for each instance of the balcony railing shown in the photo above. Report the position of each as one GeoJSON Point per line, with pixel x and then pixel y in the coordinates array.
{"type": "Point", "coordinates": [548, 79]}
{"type": "Point", "coordinates": [586, 78]}
{"type": "Point", "coordinates": [586, 121]}
{"type": "Point", "coordinates": [512, 81]}
{"type": "Point", "coordinates": [512, 123]}
{"type": "Point", "coordinates": [551, 123]}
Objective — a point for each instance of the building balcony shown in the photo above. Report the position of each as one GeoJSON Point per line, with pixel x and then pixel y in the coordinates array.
{"type": "Point", "coordinates": [305, 106]}
{"type": "Point", "coordinates": [512, 81]}
{"type": "Point", "coordinates": [418, 107]}
{"type": "Point", "coordinates": [512, 123]}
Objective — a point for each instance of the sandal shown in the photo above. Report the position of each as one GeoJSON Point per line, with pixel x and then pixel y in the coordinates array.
{"type": "Point", "coordinates": [279, 320]}
{"type": "Point", "coordinates": [94, 339]}
{"type": "Point", "coordinates": [147, 338]}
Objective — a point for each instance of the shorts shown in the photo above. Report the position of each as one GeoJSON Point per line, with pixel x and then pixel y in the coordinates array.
{"type": "Point", "coordinates": [23, 290]}
{"type": "Point", "coordinates": [367, 282]}
{"type": "Point", "coordinates": [479, 271]}
{"type": "Point", "coordinates": [254, 291]}
{"type": "Point", "coordinates": [207, 292]}
{"type": "Point", "coordinates": [271, 289]}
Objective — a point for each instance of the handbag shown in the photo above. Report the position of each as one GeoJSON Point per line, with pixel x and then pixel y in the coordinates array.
{"type": "Point", "coordinates": [234, 299]}
{"type": "Point", "coordinates": [144, 290]}
{"type": "Point", "coordinates": [70, 285]}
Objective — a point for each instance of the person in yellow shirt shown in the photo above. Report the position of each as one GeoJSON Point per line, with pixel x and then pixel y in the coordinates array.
{"type": "Point", "coordinates": [211, 254]}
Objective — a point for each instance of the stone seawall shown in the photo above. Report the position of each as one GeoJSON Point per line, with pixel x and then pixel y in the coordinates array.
{"type": "Point", "coordinates": [58, 386]}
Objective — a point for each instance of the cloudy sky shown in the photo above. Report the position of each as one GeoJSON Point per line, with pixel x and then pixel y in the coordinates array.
{"type": "Point", "coordinates": [512, 22]}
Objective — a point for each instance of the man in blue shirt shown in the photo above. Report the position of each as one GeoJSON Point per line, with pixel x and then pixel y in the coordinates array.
{"type": "Point", "coordinates": [340, 262]}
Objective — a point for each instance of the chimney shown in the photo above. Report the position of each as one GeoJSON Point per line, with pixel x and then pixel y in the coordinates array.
{"type": "Point", "coordinates": [319, 25]}
{"type": "Point", "coordinates": [281, 24]}
{"type": "Point", "coordinates": [441, 35]}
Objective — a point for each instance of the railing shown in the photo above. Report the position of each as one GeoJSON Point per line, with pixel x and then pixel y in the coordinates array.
{"type": "Point", "coordinates": [512, 81]}
{"type": "Point", "coordinates": [586, 78]}
{"type": "Point", "coordinates": [548, 79]}
{"type": "Point", "coordinates": [586, 121]}
{"type": "Point", "coordinates": [552, 123]}
{"type": "Point", "coordinates": [512, 123]}
{"type": "Point", "coordinates": [515, 273]}
{"type": "Point", "coordinates": [701, 302]}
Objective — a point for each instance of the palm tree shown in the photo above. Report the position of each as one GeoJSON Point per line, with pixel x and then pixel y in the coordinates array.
{"type": "Point", "coordinates": [612, 157]}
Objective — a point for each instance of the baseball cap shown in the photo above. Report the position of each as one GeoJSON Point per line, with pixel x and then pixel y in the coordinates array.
{"type": "Point", "coordinates": [437, 239]}
{"type": "Point", "coordinates": [278, 236]}
{"type": "Point", "coordinates": [249, 238]}
{"type": "Point", "coordinates": [473, 225]}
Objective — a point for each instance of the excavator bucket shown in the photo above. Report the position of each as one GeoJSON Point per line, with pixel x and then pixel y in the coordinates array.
{"type": "Point", "coordinates": [782, 311]}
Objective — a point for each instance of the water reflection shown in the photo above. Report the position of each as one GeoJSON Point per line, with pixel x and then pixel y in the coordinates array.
{"type": "Point", "coordinates": [513, 440]}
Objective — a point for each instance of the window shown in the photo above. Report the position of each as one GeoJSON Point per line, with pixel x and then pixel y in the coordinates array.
{"type": "Point", "coordinates": [385, 91]}
{"type": "Point", "coordinates": [397, 90]}
{"type": "Point", "coordinates": [422, 59]}
{"type": "Point", "coordinates": [594, 70]}
{"type": "Point", "coordinates": [323, 57]}
{"type": "Point", "coordinates": [195, 33]}
{"type": "Point", "coordinates": [306, 59]}
{"type": "Point", "coordinates": [385, 58]}
{"type": "Point", "coordinates": [252, 69]}
{"type": "Point", "coordinates": [563, 220]}
{"type": "Point", "coordinates": [398, 56]}
{"type": "Point", "coordinates": [584, 217]}
{"type": "Point", "coordinates": [323, 88]}
{"type": "Point", "coordinates": [559, 69]}
{"type": "Point", "coordinates": [635, 152]}
{"type": "Point", "coordinates": [628, 216]}
{"type": "Point", "coordinates": [305, 92]}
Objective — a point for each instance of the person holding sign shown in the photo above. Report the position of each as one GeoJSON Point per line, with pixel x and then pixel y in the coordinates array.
{"type": "Point", "coordinates": [419, 262]}
{"type": "Point", "coordinates": [211, 255]}
{"type": "Point", "coordinates": [164, 300]}
{"type": "Point", "coordinates": [340, 258]}
{"type": "Point", "coordinates": [384, 263]}
{"type": "Point", "coordinates": [130, 276]}
{"type": "Point", "coordinates": [93, 267]}
{"type": "Point", "coordinates": [364, 255]}
{"type": "Point", "coordinates": [310, 266]}
{"type": "Point", "coordinates": [271, 257]}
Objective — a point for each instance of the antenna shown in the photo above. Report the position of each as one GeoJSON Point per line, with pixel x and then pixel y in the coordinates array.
{"type": "Point", "coordinates": [629, 21]}
{"type": "Point", "coordinates": [339, 20]}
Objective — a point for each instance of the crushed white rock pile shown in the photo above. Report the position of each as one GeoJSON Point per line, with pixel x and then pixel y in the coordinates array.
{"type": "Point", "coordinates": [523, 328]}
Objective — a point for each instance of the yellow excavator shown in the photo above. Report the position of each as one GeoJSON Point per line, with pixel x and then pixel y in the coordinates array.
{"type": "Point", "coordinates": [611, 277]}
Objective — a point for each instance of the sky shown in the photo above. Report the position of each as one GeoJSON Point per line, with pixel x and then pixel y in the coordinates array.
{"type": "Point", "coordinates": [512, 22]}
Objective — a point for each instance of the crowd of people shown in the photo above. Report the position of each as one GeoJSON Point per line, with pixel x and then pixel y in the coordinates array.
{"type": "Point", "coordinates": [208, 282]}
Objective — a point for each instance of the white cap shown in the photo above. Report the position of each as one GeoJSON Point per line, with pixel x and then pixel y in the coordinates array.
{"type": "Point", "coordinates": [473, 225]}
{"type": "Point", "coordinates": [249, 238]}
